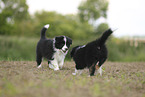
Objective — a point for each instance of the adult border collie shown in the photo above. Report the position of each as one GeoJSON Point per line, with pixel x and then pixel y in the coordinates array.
{"type": "Point", "coordinates": [92, 55]}
{"type": "Point", "coordinates": [54, 50]}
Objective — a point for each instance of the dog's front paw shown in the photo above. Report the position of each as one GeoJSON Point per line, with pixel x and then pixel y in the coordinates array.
{"type": "Point", "coordinates": [89, 76]}
{"type": "Point", "coordinates": [55, 69]}
{"type": "Point", "coordinates": [73, 73]}
{"type": "Point", "coordinates": [39, 66]}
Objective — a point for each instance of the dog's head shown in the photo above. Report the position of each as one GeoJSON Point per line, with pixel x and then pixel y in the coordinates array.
{"type": "Point", "coordinates": [62, 43]}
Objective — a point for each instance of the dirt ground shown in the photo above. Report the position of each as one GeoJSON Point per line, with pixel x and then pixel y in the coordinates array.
{"type": "Point", "coordinates": [23, 79]}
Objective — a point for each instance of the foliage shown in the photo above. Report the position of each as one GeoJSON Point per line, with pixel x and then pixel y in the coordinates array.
{"type": "Point", "coordinates": [91, 10]}
{"type": "Point", "coordinates": [17, 48]}
{"type": "Point", "coordinates": [120, 50]}
{"type": "Point", "coordinates": [15, 20]}
{"type": "Point", "coordinates": [68, 25]}
{"type": "Point", "coordinates": [18, 26]}
{"type": "Point", "coordinates": [101, 28]}
{"type": "Point", "coordinates": [15, 9]}
{"type": "Point", "coordinates": [22, 48]}
{"type": "Point", "coordinates": [12, 12]}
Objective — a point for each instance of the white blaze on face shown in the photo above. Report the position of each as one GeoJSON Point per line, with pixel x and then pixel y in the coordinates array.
{"type": "Point", "coordinates": [65, 48]}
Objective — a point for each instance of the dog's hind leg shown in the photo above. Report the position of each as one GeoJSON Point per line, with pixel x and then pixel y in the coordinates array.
{"type": "Point", "coordinates": [92, 70]}
{"type": "Point", "coordinates": [101, 62]}
{"type": "Point", "coordinates": [38, 60]}
{"type": "Point", "coordinates": [77, 72]}
{"type": "Point", "coordinates": [94, 67]}
{"type": "Point", "coordinates": [100, 70]}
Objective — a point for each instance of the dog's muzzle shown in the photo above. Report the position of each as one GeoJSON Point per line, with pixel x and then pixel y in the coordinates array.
{"type": "Point", "coordinates": [65, 50]}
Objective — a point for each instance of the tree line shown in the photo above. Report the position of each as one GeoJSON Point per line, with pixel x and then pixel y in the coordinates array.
{"type": "Point", "coordinates": [16, 20]}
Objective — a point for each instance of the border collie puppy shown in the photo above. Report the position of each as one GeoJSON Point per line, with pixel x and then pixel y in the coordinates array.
{"type": "Point", "coordinates": [54, 50]}
{"type": "Point", "coordinates": [92, 55]}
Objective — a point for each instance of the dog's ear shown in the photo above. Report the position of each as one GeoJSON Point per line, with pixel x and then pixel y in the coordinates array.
{"type": "Point", "coordinates": [69, 40]}
{"type": "Point", "coordinates": [58, 38]}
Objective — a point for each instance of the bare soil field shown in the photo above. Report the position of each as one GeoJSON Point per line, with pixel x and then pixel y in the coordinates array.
{"type": "Point", "coordinates": [23, 79]}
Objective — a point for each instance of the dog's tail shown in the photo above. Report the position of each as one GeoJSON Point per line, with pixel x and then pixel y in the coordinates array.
{"type": "Point", "coordinates": [105, 36]}
{"type": "Point", "coordinates": [44, 30]}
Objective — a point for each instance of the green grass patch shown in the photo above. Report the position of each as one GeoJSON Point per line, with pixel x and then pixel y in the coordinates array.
{"type": "Point", "coordinates": [24, 48]}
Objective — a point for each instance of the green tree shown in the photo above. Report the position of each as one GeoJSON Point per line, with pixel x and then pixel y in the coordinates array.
{"type": "Point", "coordinates": [91, 10]}
{"type": "Point", "coordinates": [68, 25]}
{"type": "Point", "coordinates": [101, 28]}
{"type": "Point", "coordinates": [12, 12]}
{"type": "Point", "coordinates": [15, 9]}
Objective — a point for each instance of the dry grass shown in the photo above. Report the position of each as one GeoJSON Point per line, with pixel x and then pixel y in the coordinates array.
{"type": "Point", "coordinates": [23, 79]}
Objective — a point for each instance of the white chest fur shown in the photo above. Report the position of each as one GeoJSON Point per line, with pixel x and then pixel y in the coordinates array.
{"type": "Point", "coordinates": [59, 56]}
{"type": "Point", "coordinates": [58, 61]}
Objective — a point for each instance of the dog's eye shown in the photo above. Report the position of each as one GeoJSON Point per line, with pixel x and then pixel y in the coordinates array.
{"type": "Point", "coordinates": [68, 45]}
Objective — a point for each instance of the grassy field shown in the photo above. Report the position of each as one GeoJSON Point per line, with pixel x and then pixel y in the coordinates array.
{"type": "Point", "coordinates": [23, 79]}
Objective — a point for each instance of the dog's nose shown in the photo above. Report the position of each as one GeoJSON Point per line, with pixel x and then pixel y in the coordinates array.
{"type": "Point", "coordinates": [66, 49]}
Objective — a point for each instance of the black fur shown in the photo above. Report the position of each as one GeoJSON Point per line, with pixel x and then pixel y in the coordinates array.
{"type": "Point", "coordinates": [93, 52]}
{"type": "Point", "coordinates": [46, 47]}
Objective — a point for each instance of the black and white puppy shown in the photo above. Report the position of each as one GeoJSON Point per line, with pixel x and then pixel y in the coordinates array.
{"type": "Point", "coordinates": [92, 55]}
{"type": "Point", "coordinates": [54, 50]}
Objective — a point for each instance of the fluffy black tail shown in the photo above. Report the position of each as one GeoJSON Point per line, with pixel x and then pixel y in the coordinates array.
{"type": "Point", "coordinates": [44, 30]}
{"type": "Point", "coordinates": [105, 36]}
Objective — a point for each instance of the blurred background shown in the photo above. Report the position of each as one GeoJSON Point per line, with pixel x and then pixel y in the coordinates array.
{"type": "Point", "coordinates": [82, 20]}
